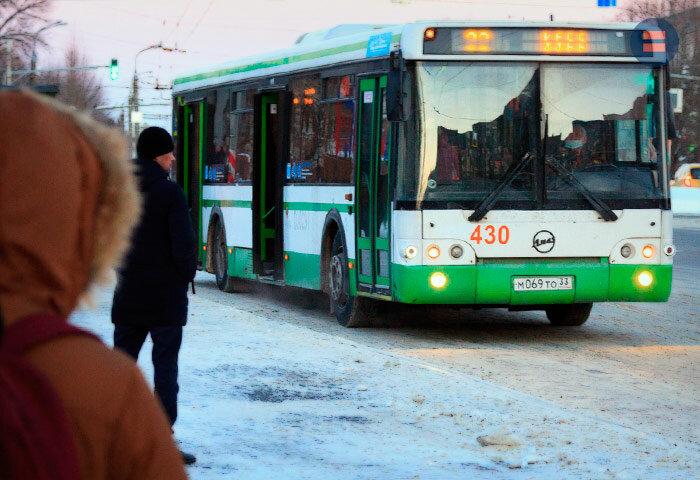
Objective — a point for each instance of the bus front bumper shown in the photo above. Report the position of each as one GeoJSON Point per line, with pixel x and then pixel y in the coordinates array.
{"type": "Point", "coordinates": [491, 283]}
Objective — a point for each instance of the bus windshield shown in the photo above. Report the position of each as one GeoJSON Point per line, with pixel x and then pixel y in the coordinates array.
{"type": "Point", "coordinates": [478, 120]}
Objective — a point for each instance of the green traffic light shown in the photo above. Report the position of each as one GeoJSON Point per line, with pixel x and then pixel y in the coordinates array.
{"type": "Point", "coordinates": [114, 69]}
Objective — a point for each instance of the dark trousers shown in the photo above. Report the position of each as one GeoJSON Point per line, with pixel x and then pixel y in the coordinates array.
{"type": "Point", "coordinates": [166, 346]}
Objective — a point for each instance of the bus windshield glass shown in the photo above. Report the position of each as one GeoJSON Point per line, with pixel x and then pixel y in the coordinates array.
{"type": "Point", "coordinates": [478, 120]}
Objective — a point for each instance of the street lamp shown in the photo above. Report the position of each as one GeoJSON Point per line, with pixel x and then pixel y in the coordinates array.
{"type": "Point", "coordinates": [58, 23]}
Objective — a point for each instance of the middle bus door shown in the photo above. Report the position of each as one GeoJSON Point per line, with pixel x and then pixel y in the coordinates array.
{"type": "Point", "coordinates": [372, 189]}
{"type": "Point", "coordinates": [269, 157]}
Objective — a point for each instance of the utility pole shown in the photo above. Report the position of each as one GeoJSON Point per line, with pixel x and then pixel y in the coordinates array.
{"type": "Point", "coordinates": [8, 71]}
{"type": "Point", "coordinates": [32, 67]}
{"type": "Point", "coordinates": [137, 126]}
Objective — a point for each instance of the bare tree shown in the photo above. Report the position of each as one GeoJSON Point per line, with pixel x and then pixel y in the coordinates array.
{"type": "Point", "coordinates": [20, 20]}
{"type": "Point", "coordinates": [636, 11]}
{"type": "Point", "coordinates": [79, 88]}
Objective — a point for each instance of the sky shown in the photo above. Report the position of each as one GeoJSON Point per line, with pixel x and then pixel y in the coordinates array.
{"type": "Point", "coordinates": [214, 31]}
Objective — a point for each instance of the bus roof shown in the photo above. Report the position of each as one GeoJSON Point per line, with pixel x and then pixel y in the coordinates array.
{"type": "Point", "coordinates": [345, 43]}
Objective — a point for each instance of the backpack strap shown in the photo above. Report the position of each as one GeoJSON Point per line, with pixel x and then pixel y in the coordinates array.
{"type": "Point", "coordinates": [36, 438]}
{"type": "Point", "coordinates": [33, 330]}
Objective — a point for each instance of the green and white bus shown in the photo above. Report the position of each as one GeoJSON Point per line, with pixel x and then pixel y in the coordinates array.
{"type": "Point", "coordinates": [516, 165]}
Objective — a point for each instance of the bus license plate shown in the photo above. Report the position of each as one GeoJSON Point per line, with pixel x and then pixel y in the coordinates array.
{"type": "Point", "coordinates": [531, 284]}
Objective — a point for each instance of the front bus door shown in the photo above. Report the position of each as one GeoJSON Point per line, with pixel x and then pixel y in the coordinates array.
{"type": "Point", "coordinates": [372, 189]}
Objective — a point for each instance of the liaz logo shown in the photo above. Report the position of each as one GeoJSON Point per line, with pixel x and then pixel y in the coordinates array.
{"type": "Point", "coordinates": [543, 241]}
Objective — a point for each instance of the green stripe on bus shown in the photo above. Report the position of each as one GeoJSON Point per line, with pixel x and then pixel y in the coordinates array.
{"type": "Point", "coordinates": [280, 61]}
{"type": "Point", "coordinates": [296, 206]}
{"type": "Point", "coordinates": [316, 207]}
{"type": "Point", "coordinates": [493, 283]}
{"type": "Point", "coordinates": [228, 203]}
{"type": "Point", "coordinates": [304, 270]}
{"type": "Point", "coordinates": [624, 286]}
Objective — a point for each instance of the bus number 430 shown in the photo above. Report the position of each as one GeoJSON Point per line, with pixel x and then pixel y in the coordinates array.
{"type": "Point", "coordinates": [489, 235]}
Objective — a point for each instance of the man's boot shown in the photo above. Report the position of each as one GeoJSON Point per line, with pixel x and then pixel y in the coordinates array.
{"type": "Point", "coordinates": [188, 458]}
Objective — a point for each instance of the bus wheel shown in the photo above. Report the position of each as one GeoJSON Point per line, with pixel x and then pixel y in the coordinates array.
{"type": "Point", "coordinates": [350, 311]}
{"type": "Point", "coordinates": [220, 257]}
{"type": "Point", "coordinates": [571, 315]}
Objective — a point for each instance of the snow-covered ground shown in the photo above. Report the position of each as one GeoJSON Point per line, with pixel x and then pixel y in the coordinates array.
{"type": "Point", "coordinates": [264, 398]}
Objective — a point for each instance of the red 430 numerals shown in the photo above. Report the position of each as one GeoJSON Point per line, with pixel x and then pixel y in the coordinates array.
{"type": "Point", "coordinates": [490, 236]}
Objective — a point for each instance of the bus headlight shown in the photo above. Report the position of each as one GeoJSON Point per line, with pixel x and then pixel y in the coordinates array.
{"type": "Point", "coordinates": [433, 252]}
{"type": "Point", "coordinates": [648, 251]}
{"type": "Point", "coordinates": [410, 251]}
{"type": "Point", "coordinates": [456, 251]}
{"type": "Point", "coordinates": [438, 280]}
{"type": "Point", "coordinates": [645, 279]}
{"type": "Point", "coordinates": [626, 251]}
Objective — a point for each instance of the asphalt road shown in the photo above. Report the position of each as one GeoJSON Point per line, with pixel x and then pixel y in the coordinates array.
{"type": "Point", "coordinates": [635, 364]}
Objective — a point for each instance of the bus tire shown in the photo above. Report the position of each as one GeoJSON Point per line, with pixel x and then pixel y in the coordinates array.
{"type": "Point", "coordinates": [225, 282]}
{"type": "Point", "coordinates": [350, 311]}
{"type": "Point", "coordinates": [572, 315]}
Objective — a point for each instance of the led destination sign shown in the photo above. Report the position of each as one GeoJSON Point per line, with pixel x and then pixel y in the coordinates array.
{"type": "Point", "coordinates": [526, 41]}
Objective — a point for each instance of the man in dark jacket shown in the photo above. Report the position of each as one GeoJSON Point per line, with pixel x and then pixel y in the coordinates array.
{"type": "Point", "coordinates": [151, 292]}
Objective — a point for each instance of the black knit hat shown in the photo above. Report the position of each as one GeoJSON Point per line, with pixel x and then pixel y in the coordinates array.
{"type": "Point", "coordinates": [154, 142]}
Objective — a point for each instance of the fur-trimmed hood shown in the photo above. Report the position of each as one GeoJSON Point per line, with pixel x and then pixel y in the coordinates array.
{"type": "Point", "coordinates": [68, 203]}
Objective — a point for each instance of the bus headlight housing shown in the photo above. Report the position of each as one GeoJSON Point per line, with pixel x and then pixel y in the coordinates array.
{"type": "Point", "coordinates": [410, 252]}
{"type": "Point", "coordinates": [456, 251]}
{"type": "Point", "coordinates": [645, 279]}
{"type": "Point", "coordinates": [648, 251]}
{"type": "Point", "coordinates": [626, 251]}
{"type": "Point", "coordinates": [433, 252]}
{"type": "Point", "coordinates": [438, 280]}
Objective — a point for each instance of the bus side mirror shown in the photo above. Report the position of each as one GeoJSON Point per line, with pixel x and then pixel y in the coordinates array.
{"type": "Point", "coordinates": [397, 99]}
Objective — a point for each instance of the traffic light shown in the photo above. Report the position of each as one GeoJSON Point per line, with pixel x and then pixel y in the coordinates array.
{"type": "Point", "coordinates": [114, 69]}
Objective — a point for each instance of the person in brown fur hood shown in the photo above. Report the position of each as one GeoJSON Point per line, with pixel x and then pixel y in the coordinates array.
{"type": "Point", "coordinates": [68, 201]}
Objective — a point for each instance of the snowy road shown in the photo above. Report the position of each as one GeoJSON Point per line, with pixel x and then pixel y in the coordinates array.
{"type": "Point", "coordinates": [270, 389]}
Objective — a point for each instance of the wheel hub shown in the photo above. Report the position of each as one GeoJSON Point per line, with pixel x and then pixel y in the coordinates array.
{"type": "Point", "coordinates": [335, 274]}
{"type": "Point", "coordinates": [220, 257]}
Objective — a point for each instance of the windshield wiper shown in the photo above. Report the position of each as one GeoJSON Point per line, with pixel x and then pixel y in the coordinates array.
{"type": "Point", "coordinates": [487, 203]}
{"type": "Point", "coordinates": [600, 206]}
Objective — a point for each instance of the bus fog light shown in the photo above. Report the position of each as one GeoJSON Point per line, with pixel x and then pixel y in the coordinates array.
{"type": "Point", "coordinates": [645, 279]}
{"type": "Point", "coordinates": [648, 251]}
{"type": "Point", "coordinates": [410, 251]}
{"type": "Point", "coordinates": [626, 251]}
{"type": "Point", "coordinates": [670, 250]}
{"type": "Point", "coordinates": [438, 280]}
{"type": "Point", "coordinates": [456, 251]}
{"type": "Point", "coordinates": [433, 252]}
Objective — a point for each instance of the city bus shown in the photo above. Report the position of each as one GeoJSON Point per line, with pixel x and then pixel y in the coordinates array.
{"type": "Point", "coordinates": [515, 165]}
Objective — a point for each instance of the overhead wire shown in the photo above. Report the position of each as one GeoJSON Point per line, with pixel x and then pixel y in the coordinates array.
{"type": "Point", "coordinates": [204, 14]}
{"type": "Point", "coordinates": [177, 23]}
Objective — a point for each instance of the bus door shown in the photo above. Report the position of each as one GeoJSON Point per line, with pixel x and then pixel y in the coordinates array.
{"type": "Point", "coordinates": [372, 188]}
{"type": "Point", "coordinates": [192, 144]}
{"type": "Point", "coordinates": [268, 182]}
